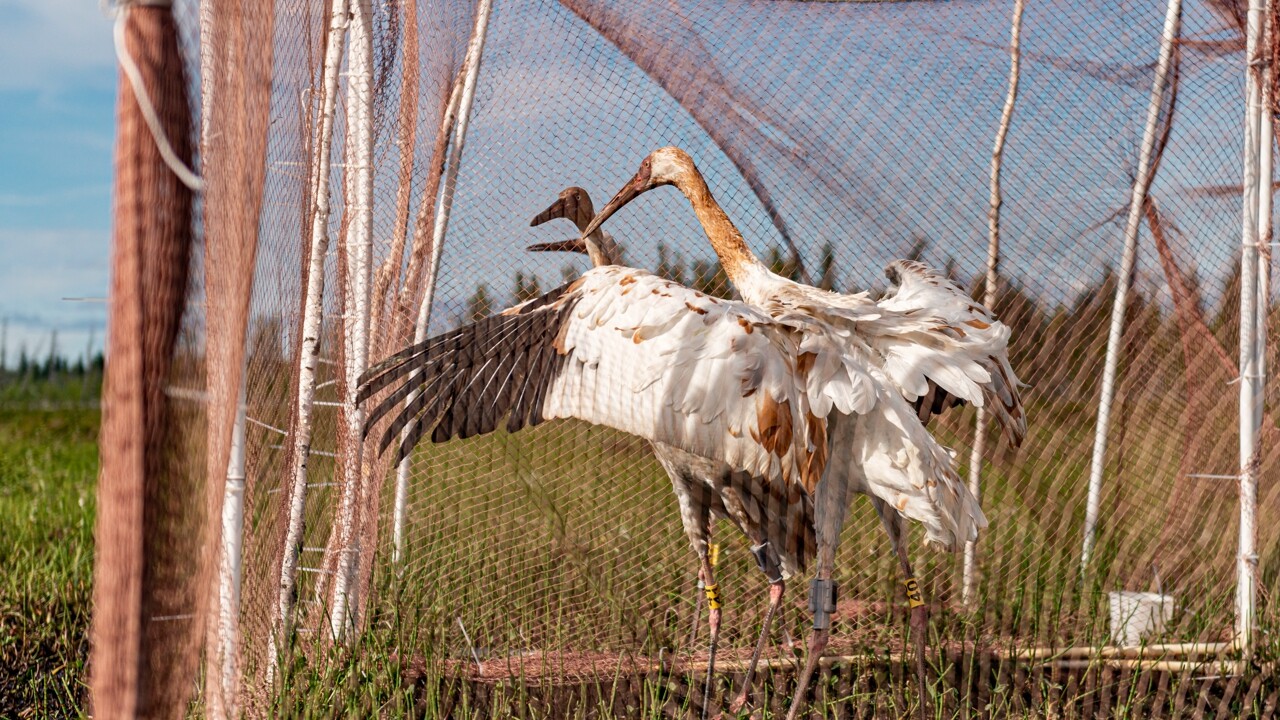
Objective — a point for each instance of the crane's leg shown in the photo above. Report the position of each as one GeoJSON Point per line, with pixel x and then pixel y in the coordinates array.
{"type": "Point", "coordinates": [919, 623]}
{"type": "Point", "coordinates": [697, 606]}
{"type": "Point", "coordinates": [713, 621]}
{"type": "Point", "coordinates": [767, 559]}
{"type": "Point", "coordinates": [694, 500]}
{"type": "Point", "coordinates": [830, 507]}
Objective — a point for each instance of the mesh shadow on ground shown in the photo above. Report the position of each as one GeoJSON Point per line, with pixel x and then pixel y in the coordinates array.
{"type": "Point", "coordinates": [969, 685]}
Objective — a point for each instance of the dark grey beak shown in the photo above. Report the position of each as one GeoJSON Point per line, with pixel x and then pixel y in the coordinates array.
{"type": "Point", "coordinates": [633, 189]}
{"type": "Point", "coordinates": [575, 245]}
{"type": "Point", "coordinates": [574, 205]}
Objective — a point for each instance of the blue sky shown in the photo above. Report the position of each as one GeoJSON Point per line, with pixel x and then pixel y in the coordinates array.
{"type": "Point", "coordinates": [57, 105]}
{"type": "Point", "coordinates": [901, 147]}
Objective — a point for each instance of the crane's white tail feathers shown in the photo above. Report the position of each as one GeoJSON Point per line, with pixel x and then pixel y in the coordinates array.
{"type": "Point", "coordinates": [915, 475]}
{"type": "Point", "coordinates": [952, 341]}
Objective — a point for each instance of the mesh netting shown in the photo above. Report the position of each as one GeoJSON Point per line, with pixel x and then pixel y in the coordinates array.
{"type": "Point", "coordinates": [838, 137]}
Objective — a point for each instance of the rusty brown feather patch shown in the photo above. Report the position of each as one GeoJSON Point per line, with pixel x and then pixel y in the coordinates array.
{"type": "Point", "coordinates": [694, 308]}
{"type": "Point", "coordinates": [558, 343]}
{"type": "Point", "coordinates": [774, 421]}
{"type": "Point", "coordinates": [804, 363]}
{"type": "Point", "coordinates": [977, 324]}
{"type": "Point", "coordinates": [746, 325]}
{"type": "Point", "coordinates": [815, 464]}
{"type": "Point", "coordinates": [627, 280]}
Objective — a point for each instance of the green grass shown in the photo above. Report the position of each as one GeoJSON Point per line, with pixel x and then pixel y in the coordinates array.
{"type": "Point", "coordinates": [566, 539]}
{"type": "Point", "coordinates": [48, 466]}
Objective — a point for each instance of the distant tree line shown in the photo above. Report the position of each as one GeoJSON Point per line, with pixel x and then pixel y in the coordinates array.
{"type": "Point", "coordinates": [48, 376]}
{"type": "Point", "coordinates": [1057, 342]}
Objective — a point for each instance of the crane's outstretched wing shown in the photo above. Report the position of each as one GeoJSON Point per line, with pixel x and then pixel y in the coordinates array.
{"type": "Point", "coordinates": [618, 347]}
{"type": "Point", "coordinates": [938, 366]}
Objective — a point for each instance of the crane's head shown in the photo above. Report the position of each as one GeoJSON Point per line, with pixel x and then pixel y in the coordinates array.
{"type": "Point", "coordinates": [574, 204]}
{"type": "Point", "coordinates": [664, 166]}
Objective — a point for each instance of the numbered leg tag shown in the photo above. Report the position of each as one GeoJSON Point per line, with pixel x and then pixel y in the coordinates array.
{"type": "Point", "coordinates": [914, 598]}
{"type": "Point", "coordinates": [713, 596]}
{"type": "Point", "coordinates": [713, 553]}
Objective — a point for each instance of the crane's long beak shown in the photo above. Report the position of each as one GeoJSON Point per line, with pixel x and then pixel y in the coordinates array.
{"type": "Point", "coordinates": [571, 245]}
{"type": "Point", "coordinates": [574, 205]}
{"type": "Point", "coordinates": [633, 189]}
{"type": "Point", "coordinates": [558, 209]}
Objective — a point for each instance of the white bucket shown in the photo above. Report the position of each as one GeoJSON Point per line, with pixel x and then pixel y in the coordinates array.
{"type": "Point", "coordinates": [1134, 615]}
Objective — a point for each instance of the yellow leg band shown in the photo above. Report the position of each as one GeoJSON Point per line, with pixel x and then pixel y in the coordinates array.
{"type": "Point", "coordinates": [914, 598]}
{"type": "Point", "coordinates": [713, 553]}
{"type": "Point", "coordinates": [713, 597]}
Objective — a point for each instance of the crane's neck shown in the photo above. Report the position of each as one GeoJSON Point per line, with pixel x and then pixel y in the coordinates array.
{"type": "Point", "coordinates": [739, 263]}
{"type": "Point", "coordinates": [596, 251]}
{"type": "Point", "coordinates": [601, 248]}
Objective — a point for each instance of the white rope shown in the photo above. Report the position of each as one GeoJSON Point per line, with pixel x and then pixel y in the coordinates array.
{"type": "Point", "coordinates": [130, 68]}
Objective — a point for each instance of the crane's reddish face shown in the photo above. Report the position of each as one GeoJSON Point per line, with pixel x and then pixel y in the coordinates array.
{"type": "Point", "coordinates": [641, 183]}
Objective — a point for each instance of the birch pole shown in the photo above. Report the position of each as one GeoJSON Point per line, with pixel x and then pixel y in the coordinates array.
{"type": "Point", "coordinates": [229, 566]}
{"type": "Point", "coordinates": [1127, 262]}
{"type": "Point", "coordinates": [309, 352]}
{"type": "Point", "coordinates": [993, 276]}
{"type": "Point", "coordinates": [1266, 146]}
{"type": "Point", "coordinates": [400, 513]}
{"type": "Point", "coordinates": [460, 103]}
{"type": "Point", "coordinates": [358, 247]}
{"type": "Point", "coordinates": [1250, 376]}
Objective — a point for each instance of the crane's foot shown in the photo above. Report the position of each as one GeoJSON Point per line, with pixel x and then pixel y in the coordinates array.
{"type": "Point", "coordinates": [713, 603]}
{"type": "Point", "coordinates": [776, 590]}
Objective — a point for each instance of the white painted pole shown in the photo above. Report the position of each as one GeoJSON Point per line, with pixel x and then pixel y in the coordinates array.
{"type": "Point", "coordinates": [1266, 147]}
{"type": "Point", "coordinates": [993, 278]}
{"type": "Point", "coordinates": [229, 570]}
{"type": "Point", "coordinates": [461, 103]}
{"type": "Point", "coordinates": [359, 252]}
{"type": "Point", "coordinates": [308, 354]}
{"type": "Point", "coordinates": [1250, 380]}
{"type": "Point", "coordinates": [1129, 258]}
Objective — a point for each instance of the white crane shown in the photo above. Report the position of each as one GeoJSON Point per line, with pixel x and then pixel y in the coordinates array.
{"type": "Point", "coordinates": [776, 517]}
{"type": "Point", "coordinates": [927, 340]}
{"type": "Point", "coordinates": [715, 378]}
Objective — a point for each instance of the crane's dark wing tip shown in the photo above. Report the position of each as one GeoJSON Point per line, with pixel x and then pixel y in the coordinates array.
{"type": "Point", "coordinates": [465, 381]}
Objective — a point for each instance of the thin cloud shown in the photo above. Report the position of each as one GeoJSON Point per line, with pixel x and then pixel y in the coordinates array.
{"type": "Point", "coordinates": [40, 267]}
{"type": "Point", "coordinates": [46, 44]}
{"type": "Point", "coordinates": [53, 198]}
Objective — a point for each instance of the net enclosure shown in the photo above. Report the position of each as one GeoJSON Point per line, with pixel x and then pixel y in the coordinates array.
{"type": "Point", "coordinates": [369, 175]}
